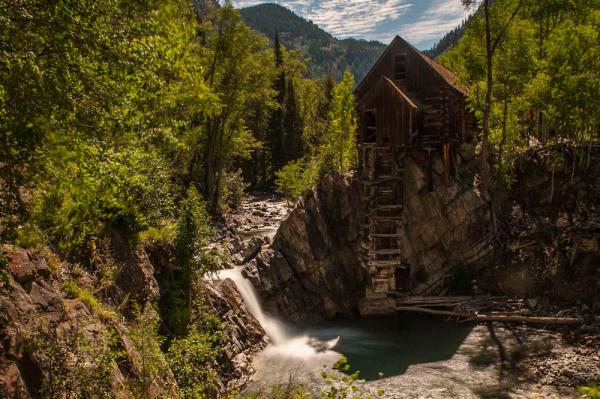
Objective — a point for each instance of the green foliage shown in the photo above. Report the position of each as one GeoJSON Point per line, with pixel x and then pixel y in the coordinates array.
{"type": "Point", "coordinates": [545, 76]}
{"type": "Point", "coordinates": [193, 229]}
{"type": "Point", "coordinates": [345, 386]}
{"type": "Point", "coordinates": [591, 391]}
{"type": "Point", "coordinates": [74, 366]}
{"type": "Point", "coordinates": [192, 260]}
{"type": "Point", "coordinates": [72, 289]}
{"type": "Point", "coordinates": [166, 232]}
{"type": "Point", "coordinates": [239, 70]}
{"type": "Point", "coordinates": [96, 102]}
{"type": "Point", "coordinates": [193, 361]}
{"type": "Point", "coordinates": [296, 178]}
{"type": "Point", "coordinates": [289, 390]}
{"type": "Point", "coordinates": [149, 360]}
{"type": "Point", "coordinates": [234, 188]}
{"type": "Point", "coordinates": [333, 151]}
{"type": "Point", "coordinates": [99, 192]}
{"type": "Point", "coordinates": [339, 150]}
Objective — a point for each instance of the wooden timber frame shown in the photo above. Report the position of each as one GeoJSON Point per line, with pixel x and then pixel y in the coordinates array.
{"type": "Point", "coordinates": [408, 106]}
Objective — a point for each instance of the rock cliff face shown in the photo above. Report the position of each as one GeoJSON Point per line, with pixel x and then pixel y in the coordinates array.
{"type": "Point", "coordinates": [40, 317]}
{"type": "Point", "coordinates": [448, 227]}
{"type": "Point", "coordinates": [245, 336]}
{"type": "Point", "coordinates": [32, 303]}
{"type": "Point", "coordinates": [312, 270]}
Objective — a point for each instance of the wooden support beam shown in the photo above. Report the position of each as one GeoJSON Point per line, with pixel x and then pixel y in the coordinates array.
{"type": "Point", "coordinates": [481, 318]}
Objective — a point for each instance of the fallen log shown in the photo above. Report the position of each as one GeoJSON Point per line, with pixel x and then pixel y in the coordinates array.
{"type": "Point", "coordinates": [505, 318]}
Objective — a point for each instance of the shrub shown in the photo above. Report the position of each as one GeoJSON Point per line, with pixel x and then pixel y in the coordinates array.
{"type": "Point", "coordinates": [193, 361]}
{"type": "Point", "coordinates": [296, 178]}
{"type": "Point", "coordinates": [193, 230]}
{"type": "Point", "coordinates": [289, 390]}
{"type": "Point", "coordinates": [74, 366]}
{"type": "Point", "coordinates": [149, 359]}
{"type": "Point", "coordinates": [166, 232]}
{"type": "Point", "coordinates": [591, 391]}
{"type": "Point", "coordinates": [234, 188]}
{"type": "Point", "coordinates": [192, 233]}
{"type": "Point", "coordinates": [70, 288]}
{"type": "Point", "coordinates": [94, 192]}
{"type": "Point", "coordinates": [342, 387]}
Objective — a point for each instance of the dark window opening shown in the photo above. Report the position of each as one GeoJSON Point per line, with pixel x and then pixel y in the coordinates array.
{"type": "Point", "coordinates": [370, 134]}
{"type": "Point", "coordinates": [400, 67]}
{"type": "Point", "coordinates": [402, 275]}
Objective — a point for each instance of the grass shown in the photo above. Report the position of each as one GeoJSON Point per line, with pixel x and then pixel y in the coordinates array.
{"type": "Point", "coordinates": [166, 232]}
{"type": "Point", "coordinates": [73, 290]}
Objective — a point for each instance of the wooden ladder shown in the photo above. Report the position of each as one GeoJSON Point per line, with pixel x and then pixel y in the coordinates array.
{"type": "Point", "coordinates": [383, 203]}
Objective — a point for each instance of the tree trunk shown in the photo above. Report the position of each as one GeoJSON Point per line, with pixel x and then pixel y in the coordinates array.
{"type": "Point", "coordinates": [485, 165]}
{"type": "Point", "coordinates": [504, 123]}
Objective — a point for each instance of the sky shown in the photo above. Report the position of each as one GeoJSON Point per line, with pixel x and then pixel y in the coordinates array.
{"type": "Point", "coordinates": [421, 22]}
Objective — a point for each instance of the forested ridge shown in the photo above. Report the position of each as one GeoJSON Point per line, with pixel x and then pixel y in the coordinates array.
{"type": "Point", "coordinates": [327, 54]}
{"type": "Point", "coordinates": [130, 130]}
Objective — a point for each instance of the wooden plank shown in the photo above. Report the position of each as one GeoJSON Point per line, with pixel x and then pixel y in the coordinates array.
{"type": "Point", "coordinates": [385, 263]}
{"type": "Point", "coordinates": [384, 235]}
{"type": "Point", "coordinates": [385, 252]}
{"type": "Point", "coordinates": [386, 218]}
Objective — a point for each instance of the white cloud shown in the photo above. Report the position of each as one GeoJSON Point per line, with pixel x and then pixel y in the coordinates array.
{"type": "Point", "coordinates": [419, 21]}
{"type": "Point", "coordinates": [440, 17]}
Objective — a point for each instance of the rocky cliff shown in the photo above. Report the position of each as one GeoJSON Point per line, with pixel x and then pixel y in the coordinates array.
{"type": "Point", "coordinates": [449, 227]}
{"type": "Point", "coordinates": [312, 270]}
{"type": "Point", "coordinates": [59, 328]}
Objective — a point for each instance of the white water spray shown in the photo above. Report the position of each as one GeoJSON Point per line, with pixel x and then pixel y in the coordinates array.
{"type": "Point", "coordinates": [284, 342]}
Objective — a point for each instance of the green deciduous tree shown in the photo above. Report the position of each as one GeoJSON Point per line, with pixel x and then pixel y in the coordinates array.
{"type": "Point", "coordinates": [339, 152]}
{"type": "Point", "coordinates": [239, 72]}
{"type": "Point", "coordinates": [332, 151]}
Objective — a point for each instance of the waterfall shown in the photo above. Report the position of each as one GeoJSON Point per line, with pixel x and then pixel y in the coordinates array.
{"type": "Point", "coordinates": [284, 341]}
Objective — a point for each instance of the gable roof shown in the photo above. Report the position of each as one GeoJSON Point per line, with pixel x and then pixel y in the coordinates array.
{"type": "Point", "coordinates": [447, 75]}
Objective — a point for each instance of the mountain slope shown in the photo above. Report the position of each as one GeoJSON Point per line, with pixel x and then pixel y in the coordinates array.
{"type": "Point", "coordinates": [327, 54]}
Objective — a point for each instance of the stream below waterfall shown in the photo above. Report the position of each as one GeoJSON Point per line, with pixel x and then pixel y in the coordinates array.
{"type": "Point", "coordinates": [407, 356]}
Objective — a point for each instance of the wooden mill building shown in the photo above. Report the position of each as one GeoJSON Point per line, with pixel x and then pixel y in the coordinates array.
{"type": "Point", "coordinates": [408, 106]}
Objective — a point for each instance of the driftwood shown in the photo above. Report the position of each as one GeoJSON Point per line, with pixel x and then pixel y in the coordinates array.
{"type": "Point", "coordinates": [504, 318]}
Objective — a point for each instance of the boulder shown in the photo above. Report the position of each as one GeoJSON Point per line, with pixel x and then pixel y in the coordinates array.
{"type": "Point", "coordinates": [25, 267]}
{"type": "Point", "coordinates": [11, 383]}
{"type": "Point", "coordinates": [311, 270]}
{"type": "Point", "coordinates": [43, 306]}
{"type": "Point", "coordinates": [135, 275]}
{"type": "Point", "coordinates": [248, 250]}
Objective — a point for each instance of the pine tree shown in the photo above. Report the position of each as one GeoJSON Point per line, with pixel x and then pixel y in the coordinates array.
{"type": "Point", "coordinates": [276, 123]}
{"type": "Point", "coordinates": [292, 124]}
